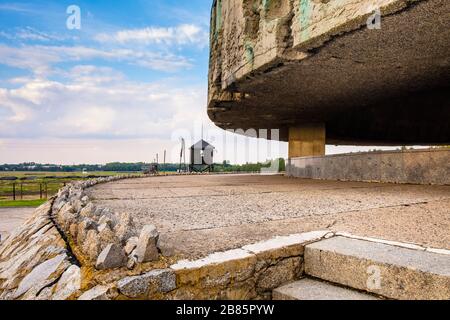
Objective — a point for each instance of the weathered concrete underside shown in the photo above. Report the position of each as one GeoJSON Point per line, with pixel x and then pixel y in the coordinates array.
{"type": "Point", "coordinates": [279, 64]}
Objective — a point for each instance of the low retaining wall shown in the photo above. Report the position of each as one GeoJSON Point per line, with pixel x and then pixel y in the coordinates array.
{"type": "Point", "coordinates": [35, 259]}
{"type": "Point", "coordinates": [430, 166]}
{"type": "Point", "coordinates": [55, 256]}
{"type": "Point", "coordinates": [52, 255]}
{"type": "Point", "coordinates": [251, 272]}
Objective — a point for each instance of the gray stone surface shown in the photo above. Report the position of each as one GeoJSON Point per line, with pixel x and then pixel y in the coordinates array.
{"type": "Point", "coordinates": [156, 281]}
{"type": "Point", "coordinates": [98, 293]}
{"type": "Point", "coordinates": [125, 228]}
{"type": "Point", "coordinates": [69, 284]}
{"type": "Point", "coordinates": [412, 166]}
{"type": "Point", "coordinates": [111, 257]}
{"type": "Point", "coordinates": [146, 250]}
{"type": "Point", "coordinates": [132, 262]}
{"type": "Point", "coordinates": [283, 272]}
{"type": "Point", "coordinates": [131, 245]}
{"type": "Point", "coordinates": [42, 275]}
{"type": "Point", "coordinates": [387, 270]}
{"type": "Point", "coordinates": [308, 289]}
{"type": "Point", "coordinates": [134, 287]}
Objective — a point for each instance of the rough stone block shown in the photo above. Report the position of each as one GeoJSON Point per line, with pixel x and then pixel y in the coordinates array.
{"type": "Point", "coordinates": [387, 270]}
{"type": "Point", "coordinates": [42, 275]}
{"type": "Point", "coordinates": [111, 257]}
{"type": "Point", "coordinates": [98, 293]}
{"type": "Point", "coordinates": [155, 281]}
{"type": "Point", "coordinates": [131, 245]}
{"type": "Point", "coordinates": [282, 272]}
{"type": "Point", "coordinates": [308, 289]}
{"type": "Point", "coordinates": [283, 247]}
{"type": "Point", "coordinates": [146, 250]}
{"type": "Point", "coordinates": [216, 270]}
{"type": "Point", "coordinates": [69, 284]}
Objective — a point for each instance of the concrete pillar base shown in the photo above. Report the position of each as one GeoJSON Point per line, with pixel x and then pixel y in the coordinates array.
{"type": "Point", "coordinates": [307, 140]}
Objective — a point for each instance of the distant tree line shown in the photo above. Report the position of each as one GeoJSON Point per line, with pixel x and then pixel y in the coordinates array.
{"type": "Point", "coordinates": [109, 167]}
{"type": "Point", "coordinates": [225, 166]}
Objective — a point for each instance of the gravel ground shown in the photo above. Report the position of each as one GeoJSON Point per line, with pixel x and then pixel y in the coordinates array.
{"type": "Point", "coordinates": [11, 218]}
{"type": "Point", "coordinates": [202, 214]}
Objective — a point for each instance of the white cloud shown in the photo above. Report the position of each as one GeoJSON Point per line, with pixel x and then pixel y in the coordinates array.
{"type": "Point", "coordinates": [91, 120]}
{"type": "Point", "coordinates": [185, 34]}
{"type": "Point", "coordinates": [93, 75]}
{"type": "Point", "coordinates": [32, 34]}
{"type": "Point", "coordinates": [95, 102]}
{"type": "Point", "coordinates": [16, 7]}
{"type": "Point", "coordinates": [69, 151]}
{"type": "Point", "coordinates": [39, 59]}
{"type": "Point", "coordinates": [94, 105]}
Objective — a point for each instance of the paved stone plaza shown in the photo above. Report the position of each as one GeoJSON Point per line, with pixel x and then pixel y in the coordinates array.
{"type": "Point", "coordinates": [197, 215]}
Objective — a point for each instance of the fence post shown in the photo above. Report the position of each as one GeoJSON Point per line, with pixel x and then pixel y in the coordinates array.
{"type": "Point", "coordinates": [14, 191]}
{"type": "Point", "coordinates": [40, 190]}
{"type": "Point", "coordinates": [21, 191]}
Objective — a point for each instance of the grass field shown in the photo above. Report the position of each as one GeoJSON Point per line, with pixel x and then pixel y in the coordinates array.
{"type": "Point", "coordinates": [21, 203]}
{"type": "Point", "coordinates": [32, 188]}
{"type": "Point", "coordinates": [42, 174]}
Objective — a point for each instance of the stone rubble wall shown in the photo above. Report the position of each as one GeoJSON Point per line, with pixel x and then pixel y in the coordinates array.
{"type": "Point", "coordinates": [98, 235]}
{"type": "Point", "coordinates": [251, 272]}
{"type": "Point", "coordinates": [35, 262]}
{"type": "Point", "coordinates": [55, 256]}
{"type": "Point", "coordinates": [45, 257]}
{"type": "Point", "coordinates": [431, 166]}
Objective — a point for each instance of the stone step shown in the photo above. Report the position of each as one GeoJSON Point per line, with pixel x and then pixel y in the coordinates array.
{"type": "Point", "coordinates": [310, 289]}
{"type": "Point", "coordinates": [387, 270]}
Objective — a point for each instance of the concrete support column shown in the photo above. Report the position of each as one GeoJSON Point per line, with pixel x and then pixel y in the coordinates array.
{"type": "Point", "coordinates": [307, 140]}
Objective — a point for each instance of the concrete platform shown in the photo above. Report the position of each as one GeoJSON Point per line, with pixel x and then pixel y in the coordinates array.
{"type": "Point", "coordinates": [309, 289]}
{"type": "Point", "coordinates": [199, 215]}
{"type": "Point", "coordinates": [387, 270]}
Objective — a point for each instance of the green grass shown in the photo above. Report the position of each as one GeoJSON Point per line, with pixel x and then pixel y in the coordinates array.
{"type": "Point", "coordinates": [41, 174]}
{"type": "Point", "coordinates": [21, 203]}
{"type": "Point", "coordinates": [30, 188]}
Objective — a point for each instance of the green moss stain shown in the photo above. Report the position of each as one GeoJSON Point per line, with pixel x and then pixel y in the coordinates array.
{"type": "Point", "coordinates": [218, 21]}
{"type": "Point", "coordinates": [256, 4]}
{"type": "Point", "coordinates": [249, 53]}
{"type": "Point", "coordinates": [305, 15]}
{"type": "Point", "coordinates": [266, 4]}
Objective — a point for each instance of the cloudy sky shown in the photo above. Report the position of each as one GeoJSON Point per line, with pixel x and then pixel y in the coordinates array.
{"type": "Point", "coordinates": [125, 86]}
